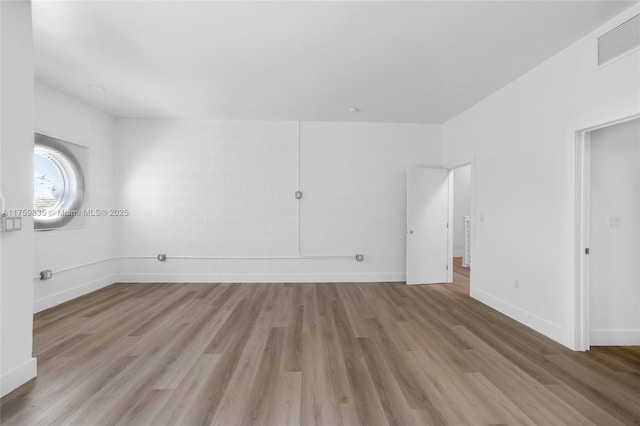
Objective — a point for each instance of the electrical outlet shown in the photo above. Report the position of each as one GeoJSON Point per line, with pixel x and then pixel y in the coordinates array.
{"type": "Point", "coordinates": [359, 257]}
{"type": "Point", "coordinates": [162, 257]}
{"type": "Point", "coordinates": [516, 283]}
{"type": "Point", "coordinates": [47, 274]}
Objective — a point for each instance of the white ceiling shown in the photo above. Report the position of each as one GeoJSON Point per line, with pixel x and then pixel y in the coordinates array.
{"type": "Point", "coordinates": [396, 61]}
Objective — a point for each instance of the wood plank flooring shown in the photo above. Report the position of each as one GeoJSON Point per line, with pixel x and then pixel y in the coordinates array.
{"type": "Point", "coordinates": [311, 354]}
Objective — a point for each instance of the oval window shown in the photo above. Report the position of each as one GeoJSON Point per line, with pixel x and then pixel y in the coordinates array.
{"type": "Point", "coordinates": [58, 183]}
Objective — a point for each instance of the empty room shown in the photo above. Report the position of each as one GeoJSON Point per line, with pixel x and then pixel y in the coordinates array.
{"type": "Point", "coordinates": [319, 212]}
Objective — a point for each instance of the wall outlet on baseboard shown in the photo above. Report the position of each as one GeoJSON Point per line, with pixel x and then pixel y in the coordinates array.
{"type": "Point", "coordinates": [162, 257]}
{"type": "Point", "coordinates": [47, 274]}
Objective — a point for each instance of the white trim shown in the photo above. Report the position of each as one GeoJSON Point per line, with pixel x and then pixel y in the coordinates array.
{"type": "Point", "coordinates": [615, 337]}
{"type": "Point", "coordinates": [537, 323]}
{"type": "Point", "coordinates": [450, 184]}
{"type": "Point", "coordinates": [582, 334]}
{"type": "Point", "coordinates": [581, 268]}
{"type": "Point", "coordinates": [474, 215]}
{"type": "Point", "coordinates": [72, 293]}
{"type": "Point", "coordinates": [191, 257]}
{"type": "Point", "coordinates": [17, 377]}
{"type": "Point", "coordinates": [473, 164]}
{"type": "Point", "coordinates": [133, 277]}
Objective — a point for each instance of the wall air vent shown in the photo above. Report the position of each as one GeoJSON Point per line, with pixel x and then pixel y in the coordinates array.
{"type": "Point", "coordinates": [619, 40]}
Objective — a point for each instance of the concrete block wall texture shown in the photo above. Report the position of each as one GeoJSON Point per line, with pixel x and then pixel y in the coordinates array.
{"type": "Point", "coordinates": [211, 188]}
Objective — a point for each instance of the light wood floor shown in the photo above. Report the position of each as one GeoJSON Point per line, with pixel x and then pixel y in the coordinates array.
{"type": "Point", "coordinates": [332, 354]}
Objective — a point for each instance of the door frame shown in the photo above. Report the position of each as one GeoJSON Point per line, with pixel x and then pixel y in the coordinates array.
{"type": "Point", "coordinates": [450, 197]}
{"type": "Point", "coordinates": [474, 224]}
{"type": "Point", "coordinates": [582, 223]}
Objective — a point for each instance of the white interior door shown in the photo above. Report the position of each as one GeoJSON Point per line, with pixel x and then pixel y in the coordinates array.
{"type": "Point", "coordinates": [428, 199]}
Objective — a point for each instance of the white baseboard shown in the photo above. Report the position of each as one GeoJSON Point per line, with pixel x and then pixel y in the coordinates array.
{"type": "Point", "coordinates": [17, 377]}
{"type": "Point", "coordinates": [72, 293]}
{"type": "Point", "coordinates": [257, 278]}
{"type": "Point", "coordinates": [615, 337]}
{"type": "Point", "coordinates": [549, 329]}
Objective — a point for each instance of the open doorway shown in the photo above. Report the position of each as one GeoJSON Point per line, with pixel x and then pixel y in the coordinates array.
{"type": "Point", "coordinates": [608, 279]}
{"type": "Point", "coordinates": [462, 255]}
{"type": "Point", "coordinates": [614, 234]}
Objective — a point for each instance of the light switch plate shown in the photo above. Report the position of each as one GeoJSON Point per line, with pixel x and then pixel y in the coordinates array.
{"type": "Point", "coordinates": [11, 223]}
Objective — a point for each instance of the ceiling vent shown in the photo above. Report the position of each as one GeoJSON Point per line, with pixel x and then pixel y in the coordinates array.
{"type": "Point", "coordinates": [621, 39]}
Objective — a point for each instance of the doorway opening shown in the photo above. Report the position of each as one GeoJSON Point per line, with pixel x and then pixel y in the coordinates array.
{"type": "Point", "coordinates": [461, 228]}
{"type": "Point", "coordinates": [439, 226]}
{"type": "Point", "coordinates": [608, 230]}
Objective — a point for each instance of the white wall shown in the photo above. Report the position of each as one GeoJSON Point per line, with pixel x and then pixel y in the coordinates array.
{"type": "Point", "coordinates": [523, 140]}
{"type": "Point", "coordinates": [16, 180]}
{"type": "Point", "coordinates": [63, 117]}
{"type": "Point", "coordinates": [461, 206]}
{"type": "Point", "coordinates": [615, 245]}
{"type": "Point", "coordinates": [210, 188]}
